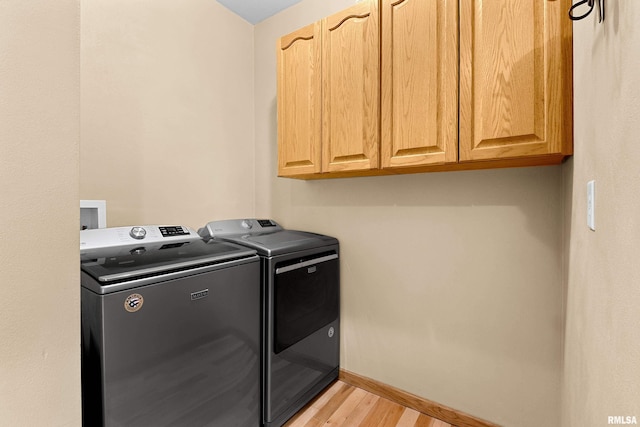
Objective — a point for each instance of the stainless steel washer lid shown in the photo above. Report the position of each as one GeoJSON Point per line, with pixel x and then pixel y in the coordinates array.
{"type": "Point", "coordinates": [265, 236]}
{"type": "Point", "coordinates": [113, 265]}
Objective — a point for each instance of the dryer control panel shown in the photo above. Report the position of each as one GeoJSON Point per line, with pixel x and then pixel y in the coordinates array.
{"type": "Point", "coordinates": [100, 238]}
{"type": "Point", "coordinates": [234, 227]}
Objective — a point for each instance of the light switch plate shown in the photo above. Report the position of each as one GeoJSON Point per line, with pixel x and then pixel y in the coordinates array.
{"type": "Point", "coordinates": [591, 205]}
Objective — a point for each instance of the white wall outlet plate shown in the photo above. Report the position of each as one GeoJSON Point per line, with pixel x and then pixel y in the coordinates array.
{"type": "Point", "coordinates": [591, 205]}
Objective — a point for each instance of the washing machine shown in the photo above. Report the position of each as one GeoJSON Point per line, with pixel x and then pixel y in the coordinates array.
{"type": "Point", "coordinates": [170, 329]}
{"type": "Point", "coordinates": [300, 310]}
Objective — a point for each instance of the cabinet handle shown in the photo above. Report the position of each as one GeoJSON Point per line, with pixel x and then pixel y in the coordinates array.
{"type": "Point", "coordinates": [295, 40]}
{"type": "Point", "coordinates": [346, 18]}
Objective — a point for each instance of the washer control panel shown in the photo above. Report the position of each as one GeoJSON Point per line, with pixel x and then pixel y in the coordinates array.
{"type": "Point", "coordinates": [135, 235]}
{"type": "Point", "coordinates": [175, 230]}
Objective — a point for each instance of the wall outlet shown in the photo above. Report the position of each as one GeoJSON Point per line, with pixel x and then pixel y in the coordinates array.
{"type": "Point", "coordinates": [591, 205]}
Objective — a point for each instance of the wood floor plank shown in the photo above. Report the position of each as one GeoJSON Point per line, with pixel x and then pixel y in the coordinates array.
{"type": "Point", "coordinates": [340, 416]}
{"type": "Point", "coordinates": [420, 404]}
{"type": "Point", "coordinates": [321, 400]}
{"type": "Point", "coordinates": [361, 411]}
{"type": "Point", "coordinates": [408, 418]}
{"type": "Point", "coordinates": [391, 416]}
{"type": "Point", "coordinates": [377, 414]}
{"type": "Point", "coordinates": [306, 413]}
{"type": "Point", "coordinates": [344, 405]}
{"type": "Point", "coordinates": [325, 412]}
{"type": "Point", "coordinates": [424, 421]}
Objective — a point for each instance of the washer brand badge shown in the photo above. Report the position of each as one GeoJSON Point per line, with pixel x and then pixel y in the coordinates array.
{"type": "Point", "coordinates": [200, 294]}
{"type": "Point", "coordinates": [133, 303]}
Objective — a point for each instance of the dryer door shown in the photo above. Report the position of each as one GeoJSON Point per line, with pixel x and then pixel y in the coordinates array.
{"type": "Point", "coordinates": [307, 297]}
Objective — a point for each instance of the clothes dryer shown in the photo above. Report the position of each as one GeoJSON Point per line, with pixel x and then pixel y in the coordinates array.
{"type": "Point", "coordinates": [301, 310]}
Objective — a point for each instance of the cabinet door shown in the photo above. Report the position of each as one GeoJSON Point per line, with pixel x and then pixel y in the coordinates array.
{"type": "Point", "coordinates": [351, 89]}
{"type": "Point", "coordinates": [419, 82]}
{"type": "Point", "coordinates": [515, 78]}
{"type": "Point", "coordinates": [299, 102]}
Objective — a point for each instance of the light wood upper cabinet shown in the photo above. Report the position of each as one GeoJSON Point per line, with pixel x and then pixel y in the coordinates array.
{"type": "Point", "coordinates": [351, 89]}
{"type": "Point", "coordinates": [299, 102]}
{"type": "Point", "coordinates": [515, 79]}
{"type": "Point", "coordinates": [419, 82]}
{"type": "Point", "coordinates": [403, 86]}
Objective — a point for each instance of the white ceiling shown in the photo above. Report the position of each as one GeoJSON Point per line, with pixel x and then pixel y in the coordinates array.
{"type": "Point", "coordinates": [255, 11]}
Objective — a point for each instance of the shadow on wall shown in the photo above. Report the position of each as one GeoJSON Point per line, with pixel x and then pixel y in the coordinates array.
{"type": "Point", "coordinates": [530, 190]}
{"type": "Point", "coordinates": [567, 212]}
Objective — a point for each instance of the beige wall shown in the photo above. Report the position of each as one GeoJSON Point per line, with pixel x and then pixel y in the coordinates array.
{"type": "Point", "coordinates": [451, 282]}
{"type": "Point", "coordinates": [39, 217]}
{"type": "Point", "coordinates": [167, 111]}
{"type": "Point", "coordinates": [602, 352]}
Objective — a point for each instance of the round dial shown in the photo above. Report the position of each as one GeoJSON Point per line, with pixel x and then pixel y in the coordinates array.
{"type": "Point", "coordinates": [138, 233]}
{"type": "Point", "coordinates": [247, 224]}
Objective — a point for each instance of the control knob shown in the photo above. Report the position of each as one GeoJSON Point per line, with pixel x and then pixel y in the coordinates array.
{"type": "Point", "coordinates": [138, 233]}
{"type": "Point", "coordinates": [247, 224]}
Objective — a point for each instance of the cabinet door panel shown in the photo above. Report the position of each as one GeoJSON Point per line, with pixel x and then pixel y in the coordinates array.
{"type": "Point", "coordinates": [299, 102]}
{"type": "Point", "coordinates": [351, 107]}
{"type": "Point", "coordinates": [419, 82]}
{"type": "Point", "coordinates": [515, 78]}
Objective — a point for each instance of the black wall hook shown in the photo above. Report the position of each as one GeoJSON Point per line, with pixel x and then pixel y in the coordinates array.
{"type": "Point", "coordinates": [591, 4]}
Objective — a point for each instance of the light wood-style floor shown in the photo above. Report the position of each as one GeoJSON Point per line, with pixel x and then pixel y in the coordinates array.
{"type": "Point", "coordinates": [344, 405]}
